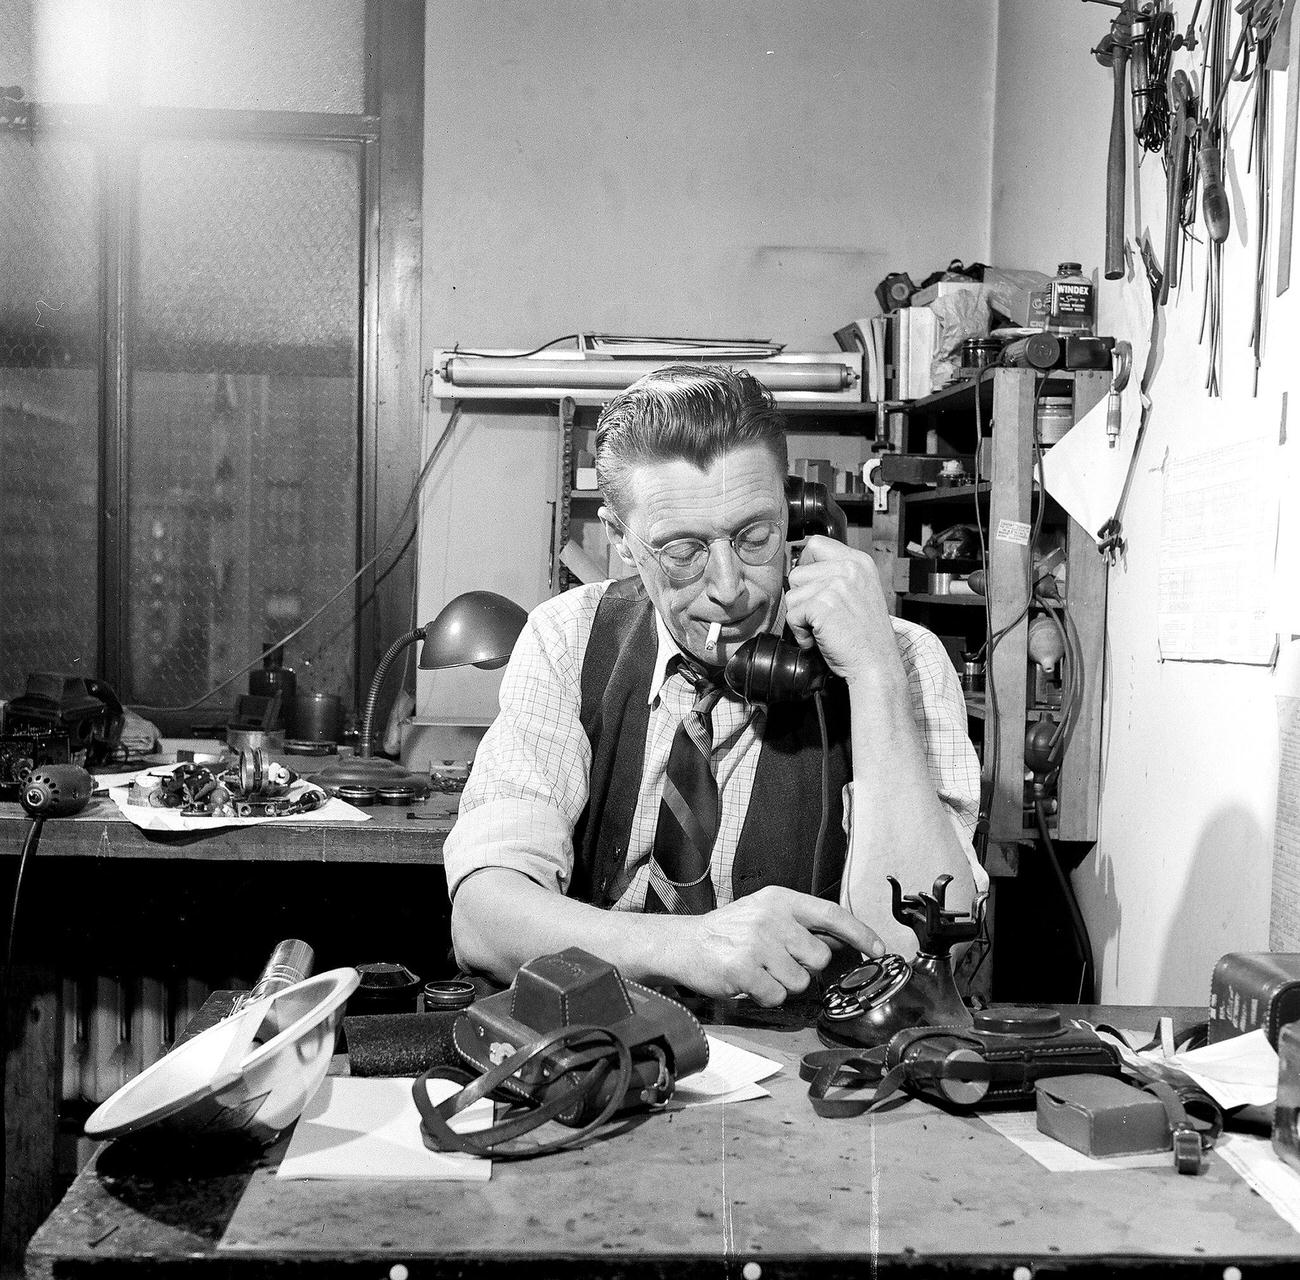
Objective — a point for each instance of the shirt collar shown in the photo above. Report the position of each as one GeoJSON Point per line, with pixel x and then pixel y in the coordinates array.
{"type": "Point", "coordinates": [668, 649]}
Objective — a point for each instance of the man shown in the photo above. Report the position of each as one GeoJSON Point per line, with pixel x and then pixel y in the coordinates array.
{"type": "Point", "coordinates": [574, 820]}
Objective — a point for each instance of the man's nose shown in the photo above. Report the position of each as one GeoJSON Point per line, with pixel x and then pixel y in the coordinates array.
{"type": "Point", "coordinates": [724, 575]}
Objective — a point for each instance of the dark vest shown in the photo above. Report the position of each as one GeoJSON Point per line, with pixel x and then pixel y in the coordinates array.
{"type": "Point", "coordinates": [779, 835]}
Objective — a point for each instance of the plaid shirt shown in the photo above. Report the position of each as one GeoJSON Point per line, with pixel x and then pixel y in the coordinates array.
{"type": "Point", "coordinates": [529, 783]}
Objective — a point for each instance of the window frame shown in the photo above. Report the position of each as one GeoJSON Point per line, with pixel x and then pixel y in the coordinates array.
{"type": "Point", "coordinates": [390, 133]}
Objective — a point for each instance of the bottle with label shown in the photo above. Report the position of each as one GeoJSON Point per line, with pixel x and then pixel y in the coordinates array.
{"type": "Point", "coordinates": [1071, 304]}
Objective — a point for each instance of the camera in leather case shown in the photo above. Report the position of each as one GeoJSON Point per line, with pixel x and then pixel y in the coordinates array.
{"type": "Point", "coordinates": [571, 1040]}
{"type": "Point", "coordinates": [1251, 990]}
{"type": "Point", "coordinates": [997, 1059]}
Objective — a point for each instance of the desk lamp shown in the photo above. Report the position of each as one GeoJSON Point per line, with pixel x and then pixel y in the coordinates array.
{"type": "Point", "coordinates": [479, 629]}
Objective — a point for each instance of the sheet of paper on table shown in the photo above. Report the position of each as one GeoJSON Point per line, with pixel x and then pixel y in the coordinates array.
{"type": "Point", "coordinates": [732, 1075]}
{"type": "Point", "coordinates": [1021, 1128]}
{"type": "Point", "coordinates": [147, 818]}
{"type": "Point", "coordinates": [1238, 1072]}
{"type": "Point", "coordinates": [1255, 1160]}
{"type": "Point", "coordinates": [369, 1128]}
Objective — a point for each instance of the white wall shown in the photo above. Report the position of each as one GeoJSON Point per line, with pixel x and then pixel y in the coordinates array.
{"type": "Point", "coordinates": [1181, 872]}
{"type": "Point", "coordinates": [722, 167]}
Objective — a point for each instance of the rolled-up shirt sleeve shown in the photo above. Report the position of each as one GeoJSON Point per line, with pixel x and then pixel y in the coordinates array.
{"type": "Point", "coordinates": [939, 709]}
{"type": "Point", "coordinates": [528, 785]}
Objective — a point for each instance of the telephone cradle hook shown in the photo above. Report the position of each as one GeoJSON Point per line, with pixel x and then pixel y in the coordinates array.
{"type": "Point", "coordinates": [882, 996]}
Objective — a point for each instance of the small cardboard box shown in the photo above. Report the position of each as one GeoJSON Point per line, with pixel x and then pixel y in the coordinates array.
{"type": "Point", "coordinates": [1101, 1116]}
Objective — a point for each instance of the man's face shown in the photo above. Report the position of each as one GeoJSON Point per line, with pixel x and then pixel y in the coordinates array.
{"type": "Point", "coordinates": [670, 500]}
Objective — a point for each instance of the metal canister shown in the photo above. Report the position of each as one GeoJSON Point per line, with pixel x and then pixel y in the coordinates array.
{"type": "Point", "coordinates": [1055, 417]}
{"type": "Point", "coordinates": [447, 993]}
{"type": "Point", "coordinates": [979, 353]}
{"type": "Point", "coordinates": [972, 673]}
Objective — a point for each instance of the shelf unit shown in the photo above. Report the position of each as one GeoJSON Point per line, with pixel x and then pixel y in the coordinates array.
{"type": "Point", "coordinates": [992, 419]}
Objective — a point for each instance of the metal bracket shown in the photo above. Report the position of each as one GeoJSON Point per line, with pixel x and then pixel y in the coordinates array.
{"type": "Point", "coordinates": [879, 490]}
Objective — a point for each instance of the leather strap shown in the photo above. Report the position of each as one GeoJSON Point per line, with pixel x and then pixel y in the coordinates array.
{"type": "Point", "coordinates": [438, 1134]}
{"type": "Point", "coordinates": [849, 1072]}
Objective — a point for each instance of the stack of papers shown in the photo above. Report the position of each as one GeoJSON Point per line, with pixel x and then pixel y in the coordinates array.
{"type": "Point", "coordinates": [614, 344]}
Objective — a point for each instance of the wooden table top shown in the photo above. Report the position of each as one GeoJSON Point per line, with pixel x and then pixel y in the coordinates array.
{"type": "Point", "coordinates": [392, 834]}
{"type": "Point", "coordinates": [749, 1190]}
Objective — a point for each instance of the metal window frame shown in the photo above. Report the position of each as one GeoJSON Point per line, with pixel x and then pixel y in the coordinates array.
{"type": "Point", "coordinates": [390, 133]}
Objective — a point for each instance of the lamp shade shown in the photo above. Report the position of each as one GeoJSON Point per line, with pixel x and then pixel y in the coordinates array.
{"type": "Point", "coordinates": [476, 629]}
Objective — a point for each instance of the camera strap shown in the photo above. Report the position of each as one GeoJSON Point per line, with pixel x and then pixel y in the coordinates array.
{"type": "Point", "coordinates": [612, 1058]}
{"type": "Point", "coordinates": [838, 1080]}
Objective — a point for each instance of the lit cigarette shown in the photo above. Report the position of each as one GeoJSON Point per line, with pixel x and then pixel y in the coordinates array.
{"type": "Point", "coordinates": [711, 641]}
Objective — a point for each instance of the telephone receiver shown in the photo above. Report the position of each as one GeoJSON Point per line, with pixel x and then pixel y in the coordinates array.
{"type": "Point", "coordinates": [768, 669]}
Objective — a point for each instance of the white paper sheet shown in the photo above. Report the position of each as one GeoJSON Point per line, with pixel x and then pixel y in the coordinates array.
{"type": "Point", "coordinates": [148, 818]}
{"type": "Point", "coordinates": [1218, 539]}
{"type": "Point", "coordinates": [369, 1128]}
{"type": "Point", "coordinates": [732, 1075]}
{"type": "Point", "coordinates": [1084, 472]}
{"type": "Point", "coordinates": [1256, 1161]}
{"type": "Point", "coordinates": [1238, 1072]}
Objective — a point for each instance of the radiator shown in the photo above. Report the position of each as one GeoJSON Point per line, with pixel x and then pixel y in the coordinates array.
{"type": "Point", "coordinates": [114, 1026]}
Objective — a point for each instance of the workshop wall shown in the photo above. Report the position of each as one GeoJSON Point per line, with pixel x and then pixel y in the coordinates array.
{"type": "Point", "coordinates": [1181, 873]}
{"type": "Point", "coordinates": [727, 168]}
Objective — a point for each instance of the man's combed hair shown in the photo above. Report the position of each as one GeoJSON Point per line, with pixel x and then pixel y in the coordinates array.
{"type": "Point", "coordinates": [693, 412]}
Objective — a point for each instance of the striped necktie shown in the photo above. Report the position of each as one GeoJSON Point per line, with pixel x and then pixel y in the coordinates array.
{"type": "Point", "coordinates": [688, 813]}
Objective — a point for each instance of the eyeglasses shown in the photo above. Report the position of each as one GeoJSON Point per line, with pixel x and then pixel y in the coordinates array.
{"type": "Point", "coordinates": [683, 560]}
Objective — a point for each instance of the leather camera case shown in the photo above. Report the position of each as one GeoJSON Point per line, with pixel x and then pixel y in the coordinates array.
{"type": "Point", "coordinates": [999, 1058]}
{"type": "Point", "coordinates": [574, 989]}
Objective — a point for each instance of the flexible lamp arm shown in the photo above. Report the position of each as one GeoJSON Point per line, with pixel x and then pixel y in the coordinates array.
{"type": "Point", "coordinates": [365, 742]}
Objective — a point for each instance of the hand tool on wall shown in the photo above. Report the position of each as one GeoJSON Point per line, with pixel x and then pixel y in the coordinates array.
{"type": "Point", "coordinates": [1122, 364]}
{"type": "Point", "coordinates": [1182, 127]}
{"type": "Point", "coordinates": [1113, 52]}
{"type": "Point", "coordinates": [1214, 196]}
{"type": "Point", "coordinates": [1286, 227]}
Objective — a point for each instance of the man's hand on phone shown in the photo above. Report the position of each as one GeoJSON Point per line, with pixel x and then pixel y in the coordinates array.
{"type": "Point", "coordinates": [836, 602]}
{"type": "Point", "coordinates": [765, 945]}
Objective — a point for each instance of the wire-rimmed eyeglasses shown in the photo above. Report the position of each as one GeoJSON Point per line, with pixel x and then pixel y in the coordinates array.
{"type": "Point", "coordinates": [683, 560]}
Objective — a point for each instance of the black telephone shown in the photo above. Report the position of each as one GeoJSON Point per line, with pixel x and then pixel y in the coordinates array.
{"type": "Point", "coordinates": [768, 669]}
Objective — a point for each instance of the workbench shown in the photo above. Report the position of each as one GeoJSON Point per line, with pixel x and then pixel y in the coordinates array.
{"type": "Point", "coordinates": [102, 896]}
{"type": "Point", "coordinates": [753, 1190]}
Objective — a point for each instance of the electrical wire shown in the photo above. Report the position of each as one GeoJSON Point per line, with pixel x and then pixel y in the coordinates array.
{"type": "Point", "coordinates": [994, 638]}
{"type": "Point", "coordinates": [515, 355]}
{"type": "Point", "coordinates": [420, 478]}
{"type": "Point", "coordinates": [818, 889]}
{"type": "Point", "coordinates": [1151, 124]}
{"type": "Point", "coordinates": [1083, 943]}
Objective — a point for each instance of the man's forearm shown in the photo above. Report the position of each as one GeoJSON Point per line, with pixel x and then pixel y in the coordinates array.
{"type": "Point", "coordinates": [900, 826]}
{"type": "Point", "coordinates": [501, 919]}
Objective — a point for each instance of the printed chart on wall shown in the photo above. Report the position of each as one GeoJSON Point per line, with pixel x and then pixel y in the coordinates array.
{"type": "Point", "coordinates": [1218, 542]}
{"type": "Point", "coordinates": [1284, 915]}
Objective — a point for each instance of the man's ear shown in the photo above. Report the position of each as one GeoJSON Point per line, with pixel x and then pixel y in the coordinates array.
{"type": "Point", "coordinates": [614, 532]}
